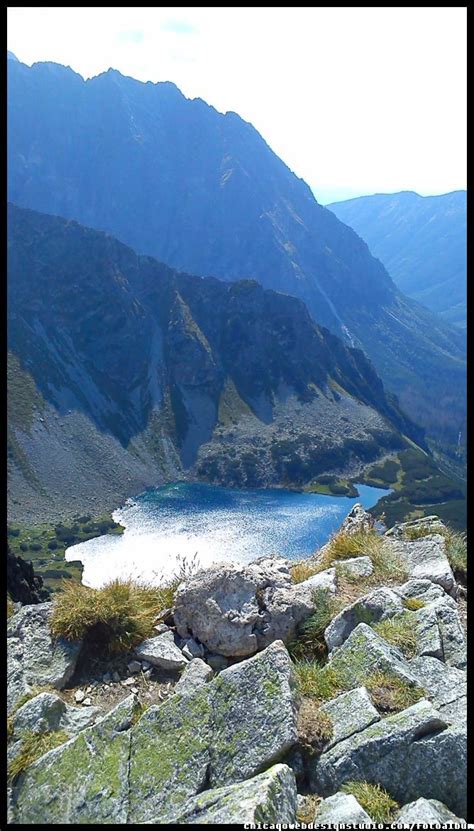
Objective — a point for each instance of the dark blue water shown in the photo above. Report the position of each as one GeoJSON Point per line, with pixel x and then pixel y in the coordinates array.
{"type": "Point", "coordinates": [213, 523]}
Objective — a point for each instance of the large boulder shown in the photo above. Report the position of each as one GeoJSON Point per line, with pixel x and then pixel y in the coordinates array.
{"type": "Point", "coordinates": [445, 686]}
{"type": "Point", "coordinates": [350, 713]}
{"type": "Point", "coordinates": [34, 657]}
{"type": "Point", "coordinates": [413, 753]}
{"type": "Point", "coordinates": [235, 610]}
{"type": "Point", "coordinates": [379, 604]}
{"type": "Point", "coordinates": [269, 797]}
{"type": "Point", "coordinates": [84, 781]}
{"type": "Point", "coordinates": [426, 811]}
{"type": "Point", "coordinates": [340, 809]}
{"type": "Point", "coordinates": [47, 712]}
{"type": "Point", "coordinates": [364, 652]}
{"type": "Point", "coordinates": [426, 558]}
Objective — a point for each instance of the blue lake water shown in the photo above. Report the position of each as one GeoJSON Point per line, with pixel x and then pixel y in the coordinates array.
{"type": "Point", "coordinates": [212, 524]}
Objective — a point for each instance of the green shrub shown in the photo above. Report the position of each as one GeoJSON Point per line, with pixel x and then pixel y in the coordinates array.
{"type": "Point", "coordinates": [35, 546]}
{"type": "Point", "coordinates": [52, 545]}
{"type": "Point", "coordinates": [114, 618]}
{"type": "Point", "coordinates": [417, 532]}
{"type": "Point", "coordinates": [33, 746]}
{"type": "Point", "coordinates": [23, 546]}
{"type": "Point", "coordinates": [456, 552]}
{"type": "Point", "coordinates": [375, 800]}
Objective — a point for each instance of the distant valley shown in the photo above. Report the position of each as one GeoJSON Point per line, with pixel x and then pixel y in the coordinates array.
{"type": "Point", "coordinates": [421, 240]}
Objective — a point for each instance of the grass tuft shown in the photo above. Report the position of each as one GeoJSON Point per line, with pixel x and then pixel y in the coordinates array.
{"type": "Point", "coordinates": [413, 603]}
{"type": "Point", "coordinates": [303, 571]}
{"type": "Point", "coordinates": [391, 694]}
{"type": "Point", "coordinates": [10, 607]}
{"type": "Point", "coordinates": [33, 746]}
{"type": "Point", "coordinates": [318, 682]}
{"type": "Point", "coordinates": [374, 799]}
{"type": "Point", "coordinates": [314, 727]}
{"type": "Point", "coordinates": [309, 642]}
{"type": "Point", "coordinates": [417, 532]}
{"type": "Point", "coordinates": [114, 618]}
{"type": "Point", "coordinates": [400, 632]}
{"type": "Point", "coordinates": [456, 552]}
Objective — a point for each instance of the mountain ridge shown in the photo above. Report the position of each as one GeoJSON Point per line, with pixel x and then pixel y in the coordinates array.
{"type": "Point", "coordinates": [157, 374]}
{"type": "Point", "coordinates": [203, 192]}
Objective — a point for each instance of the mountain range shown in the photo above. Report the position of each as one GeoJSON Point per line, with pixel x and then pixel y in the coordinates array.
{"type": "Point", "coordinates": [202, 191]}
{"type": "Point", "coordinates": [421, 241]}
{"type": "Point", "coordinates": [124, 373]}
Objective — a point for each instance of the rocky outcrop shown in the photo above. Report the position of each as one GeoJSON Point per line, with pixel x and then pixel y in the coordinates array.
{"type": "Point", "coordinates": [427, 811]}
{"type": "Point", "coordinates": [406, 753]}
{"type": "Point", "coordinates": [179, 757]}
{"type": "Point", "coordinates": [364, 652]}
{"type": "Point", "coordinates": [378, 605]}
{"type": "Point", "coordinates": [269, 797]}
{"type": "Point", "coordinates": [23, 585]}
{"type": "Point", "coordinates": [34, 657]}
{"type": "Point", "coordinates": [426, 559]}
{"type": "Point", "coordinates": [235, 609]}
{"type": "Point", "coordinates": [48, 712]}
{"type": "Point", "coordinates": [350, 713]}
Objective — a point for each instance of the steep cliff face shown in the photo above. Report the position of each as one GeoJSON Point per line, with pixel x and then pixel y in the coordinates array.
{"type": "Point", "coordinates": [204, 193]}
{"type": "Point", "coordinates": [421, 240]}
{"type": "Point", "coordinates": [124, 373]}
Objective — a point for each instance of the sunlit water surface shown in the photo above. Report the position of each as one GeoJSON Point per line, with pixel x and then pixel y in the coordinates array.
{"type": "Point", "coordinates": [212, 524]}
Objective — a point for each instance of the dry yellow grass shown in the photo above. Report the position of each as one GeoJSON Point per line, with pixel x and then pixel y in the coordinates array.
{"type": "Point", "coordinates": [115, 618]}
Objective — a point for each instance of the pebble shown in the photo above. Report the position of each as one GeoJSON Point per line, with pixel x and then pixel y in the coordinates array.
{"type": "Point", "coordinates": [134, 667]}
{"type": "Point", "coordinates": [106, 686]}
{"type": "Point", "coordinates": [89, 689]}
{"type": "Point", "coordinates": [134, 690]}
{"type": "Point", "coordinates": [146, 665]}
{"type": "Point", "coordinates": [116, 677]}
{"type": "Point", "coordinates": [87, 702]}
{"type": "Point", "coordinates": [128, 682]}
{"type": "Point", "coordinates": [148, 673]}
{"type": "Point", "coordinates": [79, 696]}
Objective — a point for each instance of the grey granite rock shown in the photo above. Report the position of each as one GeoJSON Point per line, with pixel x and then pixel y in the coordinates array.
{"type": "Point", "coordinates": [83, 781]}
{"type": "Point", "coordinates": [170, 755]}
{"type": "Point", "coordinates": [47, 711]}
{"type": "Point", "coordinates": [426, 811]}
{"type": "Point", "coordinates": [193, 649]}
{"type": "Point", "coordinates": [34, 657]}
{"type": "Point", "coordinates": [426, 558]}
{"type": "Point", "coordinates": [428, 636]}
{"type": "Point", "coordinates": [235, 610]}
{"type": "Point", "coordinates": [161, 651]}
{"type": "Point", "coordinates": [351, 712]}
{"type": "Point", "coordinates": [358, 519]}
{"type": "Point", "coordinates": [338, 809]}
{"type": "Point", "coordinates": [443, 684]}
{"type": "Point", "coordinates": [194, 675]}
{"type": "Point", "coordinates": [356, 567]}
{"type": "Point", "coordinates": [269, 797]}
{"type": "Point", "coordinates": [253, 698]}
{"type": "Point", "coordinates": [365, 651]}
{"type": "Point", "coordinates": [323, 580]}
{"type": "Point", "coordinates": [379, 604]}
{"type": "Point", "coordinates": [410, 753]}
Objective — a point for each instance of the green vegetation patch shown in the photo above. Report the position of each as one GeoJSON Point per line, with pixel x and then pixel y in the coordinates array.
{"type": "Point", "coordinates": [309, 642]}
{"type": "Point", "coordinates": [331, 485]}
{"type": "Point", "coordinates": [112, 619]}
{"type": "Point", "coordinates": [399, 631]}
{"type": "Point", "coordinates": [390, 694]}
{"type": "Point", "coordinates": [374, 799]}
{"type": "Point", "coordinates": [33, 746]}
{"type": "Point", "coordinates": [413, 603]}
{"type": "Point", "coordinates": [317, 681]}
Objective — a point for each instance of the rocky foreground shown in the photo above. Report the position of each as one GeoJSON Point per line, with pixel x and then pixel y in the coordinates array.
{"type": "Point", "coordinates": [233, 738]}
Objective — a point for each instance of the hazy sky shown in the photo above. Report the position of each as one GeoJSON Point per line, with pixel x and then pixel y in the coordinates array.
{"type": "Point", "coordinates": [354, 100]}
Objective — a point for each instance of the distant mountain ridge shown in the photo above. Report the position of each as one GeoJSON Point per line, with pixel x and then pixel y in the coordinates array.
{"type": "Point", "coordinates": [124, 373]}
{"type": "Point", "coordinates": [421, 241]}
{"type": "Point", "coordinates": [204, 193]}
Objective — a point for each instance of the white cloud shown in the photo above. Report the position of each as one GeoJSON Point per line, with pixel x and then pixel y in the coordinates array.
{"type": "Point", "coordinates": [355, 100]}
